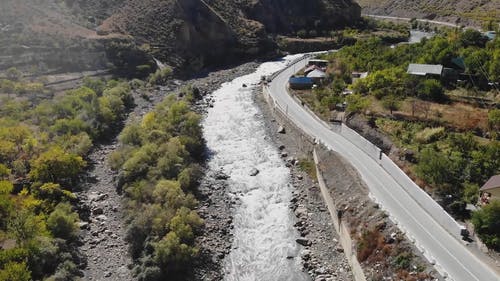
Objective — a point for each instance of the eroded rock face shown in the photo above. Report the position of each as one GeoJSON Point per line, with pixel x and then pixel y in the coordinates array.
{"type": "Point", "coordinates": [196, 33]}
{"type": "Point", "coordinates": [284, 16]}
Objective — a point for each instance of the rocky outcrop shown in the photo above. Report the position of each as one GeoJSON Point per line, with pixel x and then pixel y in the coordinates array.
{"type": "Point", "coordinates": [187, 34]}
{"type": "Point", "coordinates": [284, 16]}
{"type": "Point", "coordinates": [196, 33]}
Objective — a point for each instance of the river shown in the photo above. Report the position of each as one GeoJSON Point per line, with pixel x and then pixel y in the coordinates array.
{"type": "Point", "coordinates": [263, 223]}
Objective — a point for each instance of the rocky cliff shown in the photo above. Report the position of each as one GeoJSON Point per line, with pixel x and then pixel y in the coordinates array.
{"type": "Point", "coordinates": [196, 33]}
{"type": "Point", "coordinates": [187, 34]}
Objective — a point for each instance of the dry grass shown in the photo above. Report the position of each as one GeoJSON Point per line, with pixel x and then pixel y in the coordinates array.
{"type": "Point", "coordinates": [369, 242]}
{"type": "Point", "coordinates": [460, 116]}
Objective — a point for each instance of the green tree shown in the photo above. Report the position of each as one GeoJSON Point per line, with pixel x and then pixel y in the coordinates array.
{"type": "Point", "coordinates": [391, 103]}
{"type": "Point", "coordinates": [434, 167]}
{"type": "Point", "coordinates": [487, 224]}
{"type": "Point", "coordinates": [6, 204]}
{"type": "Point", "coordinates": [357, 103]}
{"type": "Point", "coordinates": [56, 166]}
{"type": "Point", "coordinates": [472, 37]}
{"type": "Point", "coordinates": [53, 193]}
{"type": "Point", "coordinates": [62, 222]}
{"type": "Point", "coordinates": [431, 89]}
{"type": "Point", "coordinates": [7, 86]}
{"type": "Point", "coordinates": [14, 271]}
{"type": "Point", "coordinates": [171, 254]}
{"type": "Point", "coordinates": [4, 172]}
{"type": "Point", "coordinates": [184, 223]}
{"type": "Point", "coordinates": [97, 85]}
{"type": "Point", "coordinates": [25, 226]}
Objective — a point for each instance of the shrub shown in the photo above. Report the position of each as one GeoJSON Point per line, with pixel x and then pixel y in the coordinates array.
{"type": "Point", "coordinates": [160, 76]}
{"type": "Point", "coordinates": [403, 260]}
{"type": "Point", "coordinates": [56, 166]}
{"type": "Point", "coordinates": [487, 224]}
{"type": "Point", "coordinates": [432, 90]}
{"type": "Point", "coordinates": [62, 222]}
{"type": "Point", "coordinates": [429, 135]}
{"type": "Point", "coordinates": [302, 33]}
{"type": "Point", "coordinates": [368, 242]}
{"type": "Point", "coordinates": [171, 254]}
{"type": "Point", "coordinates": [15, 272]}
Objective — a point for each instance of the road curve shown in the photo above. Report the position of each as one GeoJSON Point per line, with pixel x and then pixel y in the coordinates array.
{"type": "Point", "coordinates": [409, 19]}
{"type": "Point", "coordinates": [451, 256]}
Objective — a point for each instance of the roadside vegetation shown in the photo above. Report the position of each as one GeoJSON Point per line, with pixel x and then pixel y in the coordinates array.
{"type": "Point", "coordinates": [159, 172]}
{"type": "Point", "coordinates": [445, 129]}
{"type": "Point", "coordinates": [322, 39]}
{"type": "Point", "coordinates": [389, 32]}
{"type": "Point", "coordinates": [44, 139]}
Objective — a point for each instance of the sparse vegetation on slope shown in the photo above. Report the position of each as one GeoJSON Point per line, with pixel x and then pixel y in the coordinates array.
{"type": "Point", "coordinates": [454, 11]}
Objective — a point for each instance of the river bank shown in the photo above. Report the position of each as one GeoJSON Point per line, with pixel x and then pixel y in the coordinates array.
{"type": "Point", "coordinates": [323, 258]}
{"type": "Point", "coordinates": [103, 246]}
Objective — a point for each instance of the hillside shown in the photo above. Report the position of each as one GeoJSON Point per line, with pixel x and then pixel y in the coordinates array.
{"type": "Point", "coordinates": [41, 36]}
{"type": "Point", "coordinates": [459, 11]}
{"type": "Point", "coordinates": [195, 33]}
{"type": "Point", "coordinates": [48, 36]}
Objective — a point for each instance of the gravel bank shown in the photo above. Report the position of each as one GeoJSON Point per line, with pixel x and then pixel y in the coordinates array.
{"type": "Point", "coordinates": [101, 211]}
{"type": "Point", "coordinates": [323, 257]}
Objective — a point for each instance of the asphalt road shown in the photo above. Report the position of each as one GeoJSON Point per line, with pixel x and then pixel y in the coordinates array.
{"type": "Point", "coordinates": [451, 256]}
{"type": "Point", "coordinates": [420, 20]}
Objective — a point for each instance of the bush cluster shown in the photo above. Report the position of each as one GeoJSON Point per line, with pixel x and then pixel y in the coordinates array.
{"type": "Point", "coordinates": [42, 151]}
{"type": "Point", "coordinates": [157, 164]}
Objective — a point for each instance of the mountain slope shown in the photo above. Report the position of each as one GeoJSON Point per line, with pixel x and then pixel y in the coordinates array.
{"type": "Point", "coordinates": [460, 11]}
{"type": "Point", "coordinates": [188, 34]}
{"type": "Point", "coordinates": [195, 33]}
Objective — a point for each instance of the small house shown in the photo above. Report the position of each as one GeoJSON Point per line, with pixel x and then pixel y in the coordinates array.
{"type": "Point", "coordinates": [490, 190]}
{"type": "Point", "coordinates": [355, 75]}
{"type": "Point", "coordinates": [491, 34]}
{"type": "Point", "coordinates": [310, 69]}
{"type": "Point", "coordinates": [318, 63]}
{"type": "Point", "coordinates": [359, 75]}
{"type": "Point", "coordinates": [425, 69]}
{"type": "Point", "coordinates": [317, 76]}
{"type": "Point", "coordinates": [300, 83]}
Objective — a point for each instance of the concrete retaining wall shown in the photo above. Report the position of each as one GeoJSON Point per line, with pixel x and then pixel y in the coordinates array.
{"type": "Point", "coordinates": [340, 226]}
{"type": "Point", "coordinates": [307, 144]}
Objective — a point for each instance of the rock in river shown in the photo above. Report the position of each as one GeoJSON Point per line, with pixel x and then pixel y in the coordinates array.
{"type": "Point", "coordinates": [303, 241]}
{"type": "Point", "coordinates": [254, 172]}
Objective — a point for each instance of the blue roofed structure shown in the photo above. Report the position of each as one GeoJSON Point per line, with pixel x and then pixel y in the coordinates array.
{"type": "Point", "coordinates": [300, 83]}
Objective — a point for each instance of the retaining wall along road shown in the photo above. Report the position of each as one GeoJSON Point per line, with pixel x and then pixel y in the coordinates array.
{"type": "Point", "coordinates": [340, 226]}
{"type": "Point", "coordinates": [418, 194]}
{"type": "Point", "coordinates": [307, 144]}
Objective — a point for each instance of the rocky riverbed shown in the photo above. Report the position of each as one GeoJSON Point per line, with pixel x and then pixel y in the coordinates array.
{"type": "Point", "coordinates": [101, 209]}
{"type": "Point", "coordinates": [323, 257]}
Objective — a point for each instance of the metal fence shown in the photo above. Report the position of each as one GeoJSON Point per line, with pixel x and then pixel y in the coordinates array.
{"type": "Point", "coordinates": [410, 187]}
